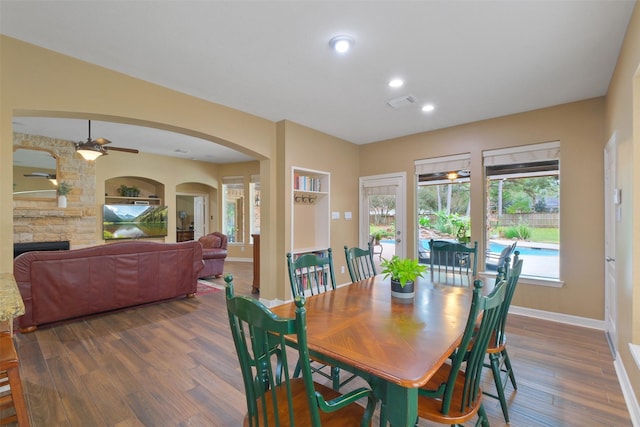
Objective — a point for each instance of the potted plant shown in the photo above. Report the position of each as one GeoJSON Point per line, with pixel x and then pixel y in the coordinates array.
{"type": "Point", "coordinates": [377, 236]}
{"type": "Point", "coordinates": [403, 273]}
{"type": "Point", "coordinates": [63, 189]}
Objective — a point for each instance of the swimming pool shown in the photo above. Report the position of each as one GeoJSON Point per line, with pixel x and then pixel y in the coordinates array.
{"type": "Point", "coordinates": [524, 250]}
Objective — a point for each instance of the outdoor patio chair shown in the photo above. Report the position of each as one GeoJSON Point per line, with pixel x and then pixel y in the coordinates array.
{"type": "Point", "coordinates": [360, 262]}
{"type": "Point", "coordinates": [273, 397]}
{"type": "Point", "coordinates": [453, 263]}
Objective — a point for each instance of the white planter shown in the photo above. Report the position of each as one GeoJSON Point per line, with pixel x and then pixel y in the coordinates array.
{"type": "Point", "coordinates": [62, 201]}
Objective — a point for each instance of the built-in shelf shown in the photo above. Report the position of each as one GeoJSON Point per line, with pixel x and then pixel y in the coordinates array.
{"type": "Point", "coordinates": [310, 215]}
{"type": "Point", "coordinates": [147, 187]}
{"type": "Point", "coordinates": [132, 200]}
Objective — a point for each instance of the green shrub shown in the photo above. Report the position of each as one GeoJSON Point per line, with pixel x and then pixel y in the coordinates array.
{"type": "Point", "coordinates": [520, 232]}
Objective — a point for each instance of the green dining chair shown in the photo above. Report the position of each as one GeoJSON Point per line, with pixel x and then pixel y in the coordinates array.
{"type": "Point", "coordinates": [312, 274]}
{"type": "Point", "coordinates": [499, 361]}
{"type": "Point", "coordinates": [273, 397]}
{"type": "Point", "coordinates": [453, 395]}
{"type": "Point", "coordinates": [360, 262]}
{"type": "Point", "coordinates": [453, 263]}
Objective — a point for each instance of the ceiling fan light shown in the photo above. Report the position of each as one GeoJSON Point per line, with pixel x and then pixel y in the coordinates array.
{"type": "Point", "coordinates": [89, 152]}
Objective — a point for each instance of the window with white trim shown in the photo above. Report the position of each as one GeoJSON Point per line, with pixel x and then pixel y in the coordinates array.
{"type": "Point", "coordinates": [443, 200]}
{"type": "Point", "coordinates": [523, 205]}
{"type": "Point", "coordinates": [254, 211]}
{"type": "Point", "coordinates": [233, 208]}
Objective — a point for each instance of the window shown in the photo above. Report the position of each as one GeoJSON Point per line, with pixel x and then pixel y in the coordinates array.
{"type": "Point", "coordinates": [254, 195]}
{"type": "Point", "coordinates": [443, 201]}
{"type": "Point", "coordinates": [232, 208]}
{"type": "Point", "coordinates": [523, 204]}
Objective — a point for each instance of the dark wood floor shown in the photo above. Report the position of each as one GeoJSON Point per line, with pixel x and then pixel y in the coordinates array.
{"type": "Point", "coordinates": [173, 364]}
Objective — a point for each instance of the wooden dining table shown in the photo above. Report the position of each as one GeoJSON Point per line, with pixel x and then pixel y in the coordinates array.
{"type": "Point", "coordinates": [396, 345]}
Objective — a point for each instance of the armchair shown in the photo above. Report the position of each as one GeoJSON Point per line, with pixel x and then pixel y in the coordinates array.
{"type": "Point", "coordinates": [214, 252]}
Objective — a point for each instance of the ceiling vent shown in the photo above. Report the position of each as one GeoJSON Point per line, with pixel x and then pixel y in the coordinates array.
{"type": "Point", "coordinates": [402, 101]}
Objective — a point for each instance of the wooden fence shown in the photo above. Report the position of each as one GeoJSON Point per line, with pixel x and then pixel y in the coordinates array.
{"type": "Point", "coordinates": [535, 220]}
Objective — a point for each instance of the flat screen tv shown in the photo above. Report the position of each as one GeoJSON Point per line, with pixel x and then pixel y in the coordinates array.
{"type": "Point", "coordinates": [133, 221]}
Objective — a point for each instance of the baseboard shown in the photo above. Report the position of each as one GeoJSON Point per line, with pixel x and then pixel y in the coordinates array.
{"type": "Point", "coordinates": [623, 379]}
{"type": "Point", "coordinates": [558, 317]}
{"type": "Point", "coordinates": [239, 259]}
{"type": "Point", "coordinates": [627, 391]}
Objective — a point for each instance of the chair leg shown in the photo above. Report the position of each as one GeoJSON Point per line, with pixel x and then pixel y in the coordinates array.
{"type": "Point", "coordinates": [297, 370]}
{"type": "Point", "coordinates": [482, 417]}
{"type": "Point", "coordinates": [9, 370]}
{"type": "Point", "coordinates": [507, 364]}
{"type": "Point", "coordinates": [335, 378]}
{"type": "Point", "coordinates": [497, 378]}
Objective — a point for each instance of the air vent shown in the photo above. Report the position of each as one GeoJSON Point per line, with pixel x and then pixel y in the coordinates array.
{"type": "Point", "coordinates": [402, 101]}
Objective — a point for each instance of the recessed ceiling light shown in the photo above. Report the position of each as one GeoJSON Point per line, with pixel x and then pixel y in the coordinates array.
{"type": "Point", "coordinates": [427, 108]}
{"type": "Point", "coordinates": [341, 44]}
{"type": "Point", "coordinates": [396, 83]}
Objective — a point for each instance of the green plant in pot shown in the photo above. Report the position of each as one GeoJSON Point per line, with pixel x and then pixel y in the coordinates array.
{"type": "Point", "coordinates": [403, 273]}
{"type": "Point", "coordinates": [63, 189]}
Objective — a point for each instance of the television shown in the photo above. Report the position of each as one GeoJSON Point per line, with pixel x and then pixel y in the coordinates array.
{"type": "Point", "coordinates": [134, 221]}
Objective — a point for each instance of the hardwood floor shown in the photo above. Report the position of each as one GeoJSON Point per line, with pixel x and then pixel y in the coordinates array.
{"type": "Point", "coordinates": [173, 364]}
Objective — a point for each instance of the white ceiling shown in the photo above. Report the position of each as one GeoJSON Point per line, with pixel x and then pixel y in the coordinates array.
{"type": "Point", "coordinates": [472, 59]}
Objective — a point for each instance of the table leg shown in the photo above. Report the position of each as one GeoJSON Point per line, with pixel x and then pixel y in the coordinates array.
{"type": "Point", "coordinates": [399, 406]}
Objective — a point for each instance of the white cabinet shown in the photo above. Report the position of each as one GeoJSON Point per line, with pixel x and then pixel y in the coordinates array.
{"type": "Point", "coordinates": [310, 210]}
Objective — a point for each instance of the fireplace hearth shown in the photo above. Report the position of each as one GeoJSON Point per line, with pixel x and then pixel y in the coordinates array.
{"type": "Point", "coordinates": [20, 248]}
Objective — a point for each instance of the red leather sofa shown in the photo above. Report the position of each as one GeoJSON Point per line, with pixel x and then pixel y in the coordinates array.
{"type": "Point", "coordinates": [60, 285]}
{"type": "Point", "coordinates": [214, 252]}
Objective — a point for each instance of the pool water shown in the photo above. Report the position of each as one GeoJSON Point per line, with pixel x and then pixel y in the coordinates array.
{"type": "Point", "coordinates": [524, 250]}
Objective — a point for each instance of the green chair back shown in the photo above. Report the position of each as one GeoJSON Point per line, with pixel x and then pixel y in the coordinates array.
{"type": "Point", "coordinates": [470, 354]}
{"type": "Point", "coordinates": [453, 263]}
{"type": "Point", "coordinates": [311, 273]}
{"type": "Point", "coordinates": [273, 397]}
{"type": "Point", "coordinates": [512, 277]}
{"type": "Point", "coordinates": [499, 361]}
{"type": "Point", "coordinates": [360, 262]}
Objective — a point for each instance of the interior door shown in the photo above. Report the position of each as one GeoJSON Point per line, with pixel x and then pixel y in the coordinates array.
{"type": "Point", "coordinates": [382, 207]}
{"type": "Point", "coordinates": [612, 201]}
{"type": "Point", "coordinates": [199, 215]}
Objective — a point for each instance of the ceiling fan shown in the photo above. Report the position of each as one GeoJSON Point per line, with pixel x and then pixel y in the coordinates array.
{"type": "Point", "coordinates": [91, 149]}
{"type": "Point", "coordinates": [40, 175]}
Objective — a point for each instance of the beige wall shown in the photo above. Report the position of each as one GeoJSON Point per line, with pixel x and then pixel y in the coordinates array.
{"type": "Point", "coordinates": [309, 149]}
{"type": "Point", "coordinates": [579, 128]}
{"type": "Point", "coordinates": [623, 125]}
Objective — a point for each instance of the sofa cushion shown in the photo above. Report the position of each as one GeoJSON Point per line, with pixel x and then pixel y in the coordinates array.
{"type": "Point", "coordinates": [210, 241]}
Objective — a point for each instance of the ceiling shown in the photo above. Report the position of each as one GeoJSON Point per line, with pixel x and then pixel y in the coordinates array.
{"type": "Point", "coordinates": [472, 60]}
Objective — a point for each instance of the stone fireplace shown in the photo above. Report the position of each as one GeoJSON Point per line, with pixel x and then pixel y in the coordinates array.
{"type": "Point", "coordinates": [42, 220]}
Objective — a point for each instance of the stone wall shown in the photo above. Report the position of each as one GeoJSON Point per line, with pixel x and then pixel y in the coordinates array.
{"type": "Point", "coordinates": [42, 220]}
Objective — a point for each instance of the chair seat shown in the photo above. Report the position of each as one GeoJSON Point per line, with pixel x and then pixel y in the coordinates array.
{"type": "Point", "coordinates": [497, 347]}
{"type": "Point", "coordinates": [429, 408]}
{"type": "Point", "coordinates": [351, 415]}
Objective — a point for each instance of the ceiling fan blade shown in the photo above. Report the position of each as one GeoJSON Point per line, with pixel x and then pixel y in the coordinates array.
{"type": "Point", "coordinates": [126, 150]}
{"type": "Point", "coordinates": [40, 175]}
{"type": "Point", "coordinates": [101, 141]}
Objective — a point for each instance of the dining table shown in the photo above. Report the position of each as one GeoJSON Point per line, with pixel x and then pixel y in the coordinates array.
{"type": "Point", "coordinates": [396, 345]}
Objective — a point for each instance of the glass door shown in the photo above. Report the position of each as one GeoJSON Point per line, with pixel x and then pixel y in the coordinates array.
{"type": "Point", "coordinates": [382, 215]}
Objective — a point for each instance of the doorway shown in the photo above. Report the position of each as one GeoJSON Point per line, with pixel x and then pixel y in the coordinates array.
{"type": "Point", "coordinates": [612, 199]}
{"type": "Point", "coordinates": [382, 214]}
{"type": "Point", "coordinates": [191, 215]}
